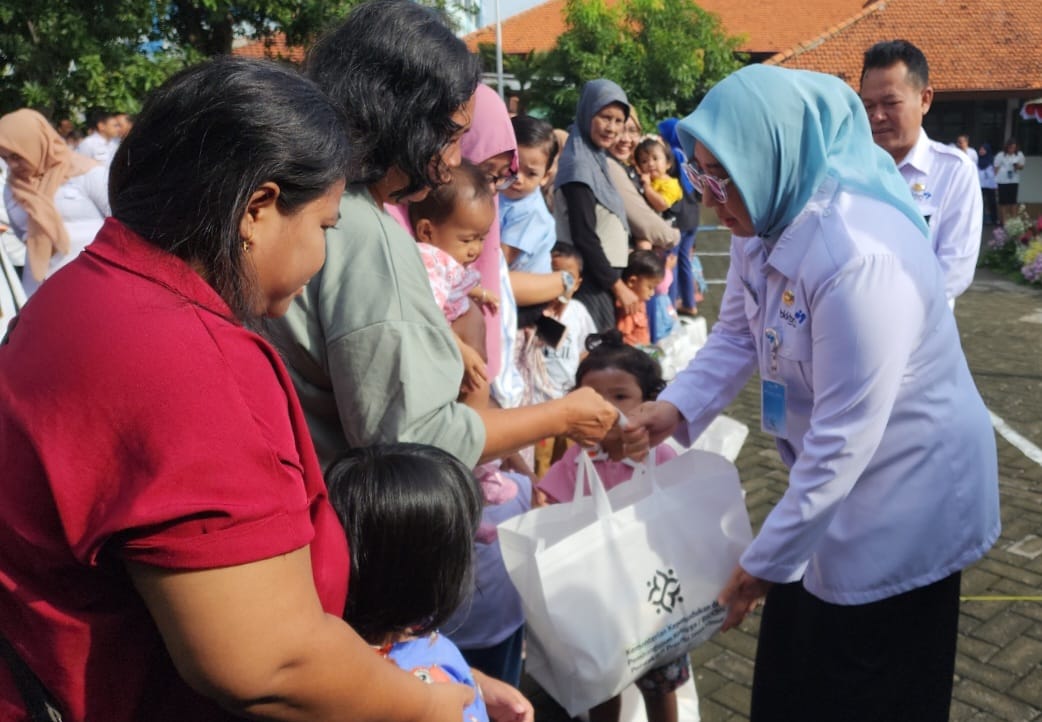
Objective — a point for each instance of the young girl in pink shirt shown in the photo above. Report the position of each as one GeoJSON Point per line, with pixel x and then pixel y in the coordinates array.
{"type": "Point", "coordinates": [626, 377]}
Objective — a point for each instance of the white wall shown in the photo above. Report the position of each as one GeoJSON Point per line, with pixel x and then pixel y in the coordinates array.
{"type": "Point", "coordinates": [1030, 190]}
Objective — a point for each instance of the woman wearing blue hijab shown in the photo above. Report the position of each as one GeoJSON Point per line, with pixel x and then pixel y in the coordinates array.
{"type": "Point", "coordinates": [589, 210]}
{"type": "Point", "coordinates": [835, 298]}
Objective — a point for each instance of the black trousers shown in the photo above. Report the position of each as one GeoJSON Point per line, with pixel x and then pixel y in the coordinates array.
{"type": "Point", "coordinates": [887, 661]}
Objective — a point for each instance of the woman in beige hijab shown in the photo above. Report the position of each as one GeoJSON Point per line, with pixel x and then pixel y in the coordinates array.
{"type": "Point", "coordinates": [56, 200]}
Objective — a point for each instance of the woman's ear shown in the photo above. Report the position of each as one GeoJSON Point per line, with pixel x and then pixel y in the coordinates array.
{"type": "Point", "coordinates": [424, 231]}
{"type": "Point", "coordinates": [260, 210]}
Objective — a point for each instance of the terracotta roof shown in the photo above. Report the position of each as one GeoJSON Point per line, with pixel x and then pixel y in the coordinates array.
{"type": "Point", "coordinates": [971, 45]}
{"type": "Point", "coordinates": [767, 25]}
{"type": "Point", "coordinates": [273, 48]}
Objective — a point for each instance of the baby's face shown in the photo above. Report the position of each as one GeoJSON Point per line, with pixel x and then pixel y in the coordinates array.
{"type": "Point", "coordinates": [462, 234]}
{"type": "Point", "coordinates": [653, 162]}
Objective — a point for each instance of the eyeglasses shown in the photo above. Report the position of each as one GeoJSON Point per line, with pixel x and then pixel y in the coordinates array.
{"type": "Point", "coordinates": [703, 181]}
{"type": "Point", "coordinates": [501, 183]}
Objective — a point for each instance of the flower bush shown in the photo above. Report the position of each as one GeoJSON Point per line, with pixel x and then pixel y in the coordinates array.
{"type": "Point", "coordinates": [1016, 247]}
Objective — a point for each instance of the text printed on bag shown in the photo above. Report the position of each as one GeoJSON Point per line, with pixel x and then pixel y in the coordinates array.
{"type": "Point", "coordinates": [681, 635]}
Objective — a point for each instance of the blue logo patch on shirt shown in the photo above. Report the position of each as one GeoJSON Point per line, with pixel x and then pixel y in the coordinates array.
{"type": "Point", "coordinates": [793, 318]}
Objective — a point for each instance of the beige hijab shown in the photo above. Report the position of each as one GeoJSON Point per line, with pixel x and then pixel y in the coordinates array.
{"type": "Point", "coordinates": [27, 134]}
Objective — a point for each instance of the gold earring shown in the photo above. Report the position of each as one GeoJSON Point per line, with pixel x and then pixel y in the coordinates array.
{"type": "Point", "coordinates": [245, 246]}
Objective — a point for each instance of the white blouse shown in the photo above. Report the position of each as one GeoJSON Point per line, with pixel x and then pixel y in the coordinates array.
{"type": "Point", "coordinates": [82, 202]}
{"type": "Point", "coordinates": [893, 480]}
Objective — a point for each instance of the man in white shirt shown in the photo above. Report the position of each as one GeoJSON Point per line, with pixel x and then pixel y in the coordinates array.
{"type": "Point", "coordinates": [895, 88]}
{"type": "Point", "coordinates": [102, 143]}
{"type": "Point", "coordinates": [963, 144]}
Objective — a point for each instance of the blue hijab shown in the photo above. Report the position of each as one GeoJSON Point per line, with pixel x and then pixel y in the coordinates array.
{"type": "Point", "coordinates": [583, 162]}
{"type": "Point", "coordinates": [779, 133]}
{"type": "Point", "coordinates": [988, 159]}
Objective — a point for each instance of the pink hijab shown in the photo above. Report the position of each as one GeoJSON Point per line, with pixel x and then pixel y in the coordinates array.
{"type": "Point", "coordinates": [490, 134]}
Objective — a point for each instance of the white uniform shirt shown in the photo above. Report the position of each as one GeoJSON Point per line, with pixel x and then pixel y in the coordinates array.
{"type": "Point", "coordinates": [1006, 167]}
{"type": "Point", "coordinates": [893, 471]}
{"type": "Point", "coordinates": [98, 147]}
{"type": "Point", "coordinates": [945, 185]}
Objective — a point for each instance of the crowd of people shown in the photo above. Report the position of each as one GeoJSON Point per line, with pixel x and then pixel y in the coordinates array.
{"type": "Point", "coordinates": [298, 341]}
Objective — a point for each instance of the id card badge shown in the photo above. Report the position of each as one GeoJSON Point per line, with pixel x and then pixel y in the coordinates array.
{"type": "Point", "coordinates": [772, 408]}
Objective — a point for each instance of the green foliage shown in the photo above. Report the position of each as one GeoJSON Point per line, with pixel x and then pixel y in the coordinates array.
{"type": "Point", "coordinates": [665, 54]}
{"type": "Point", "coordinates": [64, 57]}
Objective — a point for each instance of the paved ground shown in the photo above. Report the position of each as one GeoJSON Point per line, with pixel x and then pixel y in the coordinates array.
{"type": "Point", "coordinates": [999, 664]}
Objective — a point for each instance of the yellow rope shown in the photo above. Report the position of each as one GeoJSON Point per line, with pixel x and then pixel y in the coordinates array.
{"type": "Point", "coordinates": [1000, 599]}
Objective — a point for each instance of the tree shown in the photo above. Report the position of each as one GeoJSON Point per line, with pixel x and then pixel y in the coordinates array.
{"type": "Point", "coordinates": [525, 70]}
{"type": "Point", "coordinates": [665, 54]}
{"type": "Point", "coordinates": [63, 57]}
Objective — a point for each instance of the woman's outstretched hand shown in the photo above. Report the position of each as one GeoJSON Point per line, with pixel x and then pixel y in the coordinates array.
{"type": "Point", "coordinates": [658, 419]}
{"type": "Point", "coordinates": [741, 595]}
{"type": "Point", "coordinates": [588, 417]}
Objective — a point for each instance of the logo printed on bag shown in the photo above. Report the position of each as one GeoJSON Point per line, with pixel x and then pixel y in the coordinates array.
{"type": "Point", "coordinates": [664, 591]}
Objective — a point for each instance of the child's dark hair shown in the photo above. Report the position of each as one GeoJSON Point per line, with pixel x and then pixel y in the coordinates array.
{"type": "Point", "coordinates": [644, 264]}
{"type": "Point", "coordinates": [468, 182]}
{"type": "Point", "coordinates": [609, 351]}
{"type": "Point", "coordinates": [645, 147]}
{"type": "Point", "coordinates": [410, 512]}
{"type": "Point", "coordinates": [567, 250]}
{"type": "Point", "coordinates": [536, 133]}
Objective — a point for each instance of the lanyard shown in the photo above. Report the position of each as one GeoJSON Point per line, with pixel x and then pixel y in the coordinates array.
{"type": "Point", "coordinates": [773, 341]}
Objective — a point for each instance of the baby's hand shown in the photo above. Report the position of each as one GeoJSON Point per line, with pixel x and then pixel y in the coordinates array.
{"type": "Point", "coordinates": [484, 298]}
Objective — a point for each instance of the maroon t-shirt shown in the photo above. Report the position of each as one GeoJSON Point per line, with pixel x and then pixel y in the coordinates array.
{"type": "Point", "coordinates": [139, 421]}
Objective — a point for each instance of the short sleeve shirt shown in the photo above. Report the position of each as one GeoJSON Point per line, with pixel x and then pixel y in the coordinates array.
{"type": "Point", "coordinates": [527, 225]}
{"type": "Point", "coordinates": [559, 481]}
{"type": "Point", "coordinates": [140, 422]}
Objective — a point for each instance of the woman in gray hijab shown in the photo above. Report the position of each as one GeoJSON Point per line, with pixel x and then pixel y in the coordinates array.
{"type": "Point", "coordinates": [589, 211]}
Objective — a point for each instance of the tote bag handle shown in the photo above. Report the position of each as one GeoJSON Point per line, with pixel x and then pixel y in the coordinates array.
{"type": "Point", "coordinates": [587, 472]}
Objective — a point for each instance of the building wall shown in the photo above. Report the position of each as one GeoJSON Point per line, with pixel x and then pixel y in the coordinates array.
{"type": "Point", "coordinates": [1031, 180]}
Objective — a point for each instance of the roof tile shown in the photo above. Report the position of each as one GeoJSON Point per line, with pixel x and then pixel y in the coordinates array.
{"type": "Point", "coordinates": [767, 25]}
{"type": "Point", "coordinates": [272, 48]}
{"type": "Point", "coordinates": [971, 45]}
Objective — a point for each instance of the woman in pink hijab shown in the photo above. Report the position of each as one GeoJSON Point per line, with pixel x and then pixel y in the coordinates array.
{"type": "Point", "coordinates": [490, 144]}
{"type": "Point", "coordinates": [56, 199]}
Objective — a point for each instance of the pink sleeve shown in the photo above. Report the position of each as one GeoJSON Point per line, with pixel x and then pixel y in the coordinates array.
{"type": "Point", "coordinates": [667, 281]}
{"type": "Point", "coordinates": [559, 481]}
{"type": "Point", "coordinates": [437, 274]}
{"type": "Point", "coordinates": [488, 266]}
{"type": "Point", "coordinates": [663, 453]}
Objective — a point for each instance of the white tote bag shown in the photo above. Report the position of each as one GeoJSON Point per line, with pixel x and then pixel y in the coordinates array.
{"type": "Point", "coordinates": [617, 583]}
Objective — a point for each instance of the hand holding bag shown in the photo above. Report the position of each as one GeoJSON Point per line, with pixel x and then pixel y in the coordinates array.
{"type": "Point", "coordinates": [616, 583]}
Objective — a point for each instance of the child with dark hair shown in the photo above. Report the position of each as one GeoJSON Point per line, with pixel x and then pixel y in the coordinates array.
{"type": "Point", "coordinates": [410, 512]}
{"type": "Point", "coordinates": [626, 377]}
{"type": "Point", "coordinates": [527, 229]}
{"type": "Point", "coordinates": [642, 274]}
{"type": "Point", "coordinates": [450, 226]}
{"type": "Point", "coordinates": [661, 190]}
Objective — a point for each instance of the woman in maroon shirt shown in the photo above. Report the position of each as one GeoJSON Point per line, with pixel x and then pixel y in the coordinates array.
{"type": "Point", "coordinates": [166, 547]}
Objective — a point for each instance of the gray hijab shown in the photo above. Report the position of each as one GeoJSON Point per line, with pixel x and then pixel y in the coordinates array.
{"type": "Point", "coordinates": [582, 161]}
